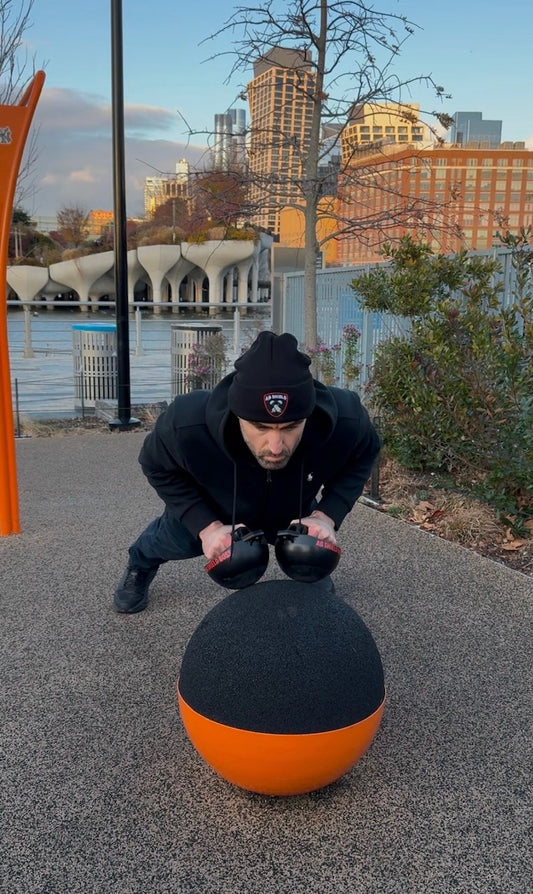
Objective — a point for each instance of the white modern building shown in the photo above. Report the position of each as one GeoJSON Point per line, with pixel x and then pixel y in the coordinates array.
{"type": "Point", "coordinates": [158, 190]}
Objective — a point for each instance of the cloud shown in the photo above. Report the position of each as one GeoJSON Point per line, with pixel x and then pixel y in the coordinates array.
{"type": "Point", "coordinates": [63, 110]}
{"type": "Point", "coordinates": [74, 153]}
{"type": "Point", "coordinates": [84, 176]}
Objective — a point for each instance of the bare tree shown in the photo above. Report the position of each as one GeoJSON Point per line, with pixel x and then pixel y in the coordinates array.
{"type": "Point", "coordinates": [71, 227]}
{"type": "Point", "coordinates": [343, 56]}
{"type": "Point", "coordinates": [218, 200]}
{"type": "Point", "coordinates": [16, 69]}
{"type": "Point", "coordinates": [14, 62]}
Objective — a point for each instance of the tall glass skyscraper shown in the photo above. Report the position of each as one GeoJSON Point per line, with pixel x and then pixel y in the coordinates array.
{"type": "Point", "coordinates": [229, 149]}
{"type": "Point", "coordinates": [469, 127]}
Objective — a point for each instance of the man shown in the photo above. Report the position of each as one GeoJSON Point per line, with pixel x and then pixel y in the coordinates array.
{"type": "Point", "coordinates": [256, 450]}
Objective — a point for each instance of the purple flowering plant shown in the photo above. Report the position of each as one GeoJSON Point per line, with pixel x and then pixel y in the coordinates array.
{"type": "Point", "coordinates": [206, 363]}
{"type": "Point", "coordinates": [351, 367]}
{"type": "Point", "coordinates": [324, 357]}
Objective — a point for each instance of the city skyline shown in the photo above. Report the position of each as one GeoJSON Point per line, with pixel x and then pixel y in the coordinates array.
{"type": "Point", "coordinates": [171, 96]}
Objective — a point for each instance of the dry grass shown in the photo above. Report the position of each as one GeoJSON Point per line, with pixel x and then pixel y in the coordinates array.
{"type": "Point", "coordinates": [418, 499]}
{"type": "Point", "coordinates": [58, 428]}
{"type": "Point", "coordinates": [468, 522]}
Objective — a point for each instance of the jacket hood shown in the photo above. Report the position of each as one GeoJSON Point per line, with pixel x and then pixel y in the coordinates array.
{"type": "Point", "coordinates": [321, 422]}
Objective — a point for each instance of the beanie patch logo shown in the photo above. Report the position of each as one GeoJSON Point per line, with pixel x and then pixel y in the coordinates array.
{"type": "Point", "coordinates": [275, 403]}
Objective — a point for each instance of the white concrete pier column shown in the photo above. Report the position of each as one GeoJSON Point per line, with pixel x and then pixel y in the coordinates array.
{"type": "Point", "coordinates": [80, 274]}
{"type": "Point", "coordinates": [103, 286]}
{"type": "Point", "coordinates": [157, 260]}
{"type": "Point", "coordinates": [27, 282]}
{"type": "Point", "coordinates": [175, 276]}
{"type": "Point", "coordinates": [216, 257]}
{"type": "Point", "coordinates": [196, 277]}
{"type": "Point", "coordinates": [242, 291]}
{"type": "Point", "coordinates": [135, 272]}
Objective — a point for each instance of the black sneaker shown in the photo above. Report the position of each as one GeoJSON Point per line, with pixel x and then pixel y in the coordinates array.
{"type": "Point", "coordinates": [131, 594]}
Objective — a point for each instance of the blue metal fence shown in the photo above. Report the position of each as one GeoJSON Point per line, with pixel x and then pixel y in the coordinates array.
{"type": "Point", "coordinates": [337, 306]}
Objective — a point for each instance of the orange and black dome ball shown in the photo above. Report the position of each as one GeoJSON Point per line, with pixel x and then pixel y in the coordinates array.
{"type": "Point", "coordinates": [281, 688]}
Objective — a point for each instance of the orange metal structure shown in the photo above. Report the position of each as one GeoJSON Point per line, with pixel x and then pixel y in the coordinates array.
{"type": "Point", "coordinates": [14, 126]}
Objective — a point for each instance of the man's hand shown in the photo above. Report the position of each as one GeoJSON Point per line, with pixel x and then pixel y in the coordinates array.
{"type": "Point", "coordinates": [216, 538]}
{"type": "Point", "coordinates": [319, 525]}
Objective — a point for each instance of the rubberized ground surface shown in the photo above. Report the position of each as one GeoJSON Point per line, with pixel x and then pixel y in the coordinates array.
{"type": "Point", "coordinates": [103, 792]}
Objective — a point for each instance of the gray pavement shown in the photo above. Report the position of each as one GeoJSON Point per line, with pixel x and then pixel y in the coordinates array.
{"type": "Point", "coordinates": [102, 790]}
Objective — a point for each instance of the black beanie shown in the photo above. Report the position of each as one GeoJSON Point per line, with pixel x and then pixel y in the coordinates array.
{"type": "Point", "coordinates": [272, 382]}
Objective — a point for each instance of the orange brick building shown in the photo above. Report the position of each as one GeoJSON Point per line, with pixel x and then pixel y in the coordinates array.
{"type": "Point", "coordinates": [466, 194]}
{"type": "Point", "coordinates": [99, 222]}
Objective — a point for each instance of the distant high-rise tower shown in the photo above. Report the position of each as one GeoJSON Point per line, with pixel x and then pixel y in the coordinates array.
{"type": "Point", "coordinates": [469, 128]}
{"type": "Point", "coordinates": [281, 110]}
{"type": "Point", "coordinates": [154, 194]}
{"type": "Point", "coordinates": [158, 190]}
{"type": "Point", "coordinates": [222, 147]}
{"type": "Point", "coordinates": [238, 134]}
{"type": "Point", "coordinates": [181, 190]}
{"type": "Point", "coordinates": [229, 150]}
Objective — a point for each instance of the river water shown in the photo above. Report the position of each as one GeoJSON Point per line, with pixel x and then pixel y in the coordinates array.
{"type": "Point", "coordinates": [43, 384]}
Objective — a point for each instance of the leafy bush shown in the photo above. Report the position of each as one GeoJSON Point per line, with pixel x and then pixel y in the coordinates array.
{"type": "Point", "coordinates": [456, 395]}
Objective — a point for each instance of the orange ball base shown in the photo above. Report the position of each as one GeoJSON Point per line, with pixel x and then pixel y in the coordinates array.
{"type": "Point", "coordinates": [274, 764]}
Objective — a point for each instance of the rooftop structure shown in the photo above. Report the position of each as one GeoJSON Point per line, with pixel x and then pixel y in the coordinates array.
{"type": "Point", "coordinates": [375, 124]}
{"type": "Point", "coordinates": [470, 128]}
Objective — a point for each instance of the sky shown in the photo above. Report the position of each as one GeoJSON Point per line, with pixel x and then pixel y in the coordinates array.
{"type": "Point", "coordinates": [174, 84]}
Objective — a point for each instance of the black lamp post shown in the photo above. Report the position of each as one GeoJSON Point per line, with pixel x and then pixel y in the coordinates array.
{"type": "Point", "coordinates": [124, 419]}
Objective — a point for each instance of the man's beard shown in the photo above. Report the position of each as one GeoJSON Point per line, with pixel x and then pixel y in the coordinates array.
{"type": "Point", "coordinates": [270, 461]}
{"type": "Point", "coordinates": [266, 461]}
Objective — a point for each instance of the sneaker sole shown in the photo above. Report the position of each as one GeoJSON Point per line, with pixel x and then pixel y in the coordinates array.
{"type": "Point", "coordinates": [127, 609]}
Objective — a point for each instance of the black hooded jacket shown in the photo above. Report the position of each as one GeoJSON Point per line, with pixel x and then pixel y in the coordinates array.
{"type": "Point", "coordinates": [196, 460]}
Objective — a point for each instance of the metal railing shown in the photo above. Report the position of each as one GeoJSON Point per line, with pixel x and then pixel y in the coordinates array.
{"type": "Point", "coordinates": [41, 353]}
{"type": "Point", "coordinates": [42, 359]}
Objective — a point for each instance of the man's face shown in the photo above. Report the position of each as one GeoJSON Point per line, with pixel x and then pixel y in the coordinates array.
{"type": "Point", "coordinates": [272, 445]}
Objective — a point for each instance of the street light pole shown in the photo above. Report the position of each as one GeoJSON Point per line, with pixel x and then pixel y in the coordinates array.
{"type": "Point", "coordinates": [124, 419]}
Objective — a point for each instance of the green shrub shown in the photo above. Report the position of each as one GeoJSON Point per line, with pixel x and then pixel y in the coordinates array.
{"type": "Point", "coordinates": [456, 395]}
